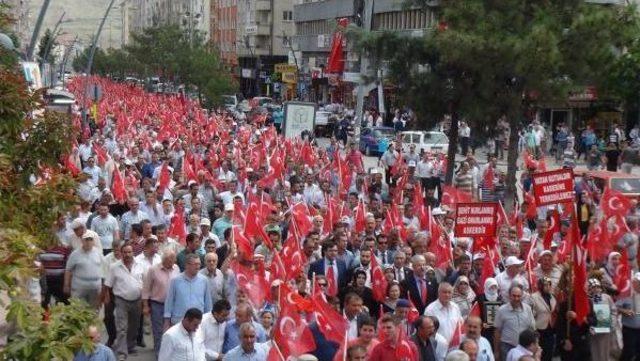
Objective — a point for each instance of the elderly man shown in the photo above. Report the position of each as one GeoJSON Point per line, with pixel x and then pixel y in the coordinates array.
{"type": "Point", "coordinates": [474, 329]}
{"type": "Point", "coordinates": [100, 351]}
{"type": "Point", "coordinates": [511, 319]}
{"type": "Point", "coordinates": [154, 293]}
{"type": "Point", "coordinates": [220, 282]}
{"type": "Point", "coordinates": [548, 268]}
{"type": "Point", "coordinates": [232, 337]}
{"type": "Point", "coordinates": [527, 346]}
{"type": "Point", "coordinates": [470, 347]}
{"type": "Point", "coordinates": [133, 216]}
{"type": "Point", "coordinates": [249, 348]}
{"type": "Point", "coordinates": [79, 230]}
{"type": "Point", "coordinates": [421, 288]}
{"type": "Point", "coordinates": [446, 311]}
{"type": "Point", "coordinates": [431, 346]}
{"type": "Point", "coordinates": [206, 234]}
{"type": "Point", "coordinates": [125, 281]}
{"type": "Point", "coordinates": [83, 273]}
{"type": "Point", "coordinates": [188, 290]}
{"type": "Point", "coordinates": [181, 342]}
{"type": "Point", "coordinates": [511, 275]}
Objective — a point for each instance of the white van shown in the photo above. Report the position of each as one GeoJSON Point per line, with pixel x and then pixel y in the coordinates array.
{"type": "Point", "coordinates": [431, 141]}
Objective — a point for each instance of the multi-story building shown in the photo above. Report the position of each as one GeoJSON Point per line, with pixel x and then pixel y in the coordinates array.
{"type": "Point", "coordinates": [315, 22]}
{"type": "Point", "coordinates": [223, 29]}
{"type": "Point", "coordinates": [192, 15]}
{"type": "Point", "coordinates": [263, 29]}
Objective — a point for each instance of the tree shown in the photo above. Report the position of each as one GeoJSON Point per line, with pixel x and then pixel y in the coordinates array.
{"type": "Point", "coordinates": [503, 58]}
{"type": "Point", "coordinates": [34, 191]}
{"type": "Point", "coordinates": [47, 42]}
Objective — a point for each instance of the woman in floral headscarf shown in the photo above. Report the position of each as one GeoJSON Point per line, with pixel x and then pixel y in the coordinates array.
{"type": "Point", "coordinates": [463, 295]}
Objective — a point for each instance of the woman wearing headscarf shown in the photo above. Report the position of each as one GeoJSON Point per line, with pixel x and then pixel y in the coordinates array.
{"type": "Point", "coordinates": [543, 305]}
{"type": "Point", "coordinates": [489, 298]}
{"type": "Point", "coordinates": [609, 273]}
{"type": "Point", "coordinates": [357, 286]}
{"type": "Point", "coordinates": [463, 295]}
{"type": "Point", "coordinates": [601, 342]}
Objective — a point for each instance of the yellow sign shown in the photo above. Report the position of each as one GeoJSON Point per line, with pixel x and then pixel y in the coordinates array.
{"type": "Point", "coordinates": [289, 78]}
{"type": "Point", "coordinates": [285, 68]}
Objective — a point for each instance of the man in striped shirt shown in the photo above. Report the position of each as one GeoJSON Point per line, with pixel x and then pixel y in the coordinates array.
{"type": "Point", "coordinates": [54, 261]}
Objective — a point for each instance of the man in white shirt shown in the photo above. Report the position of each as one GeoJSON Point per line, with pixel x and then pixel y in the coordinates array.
{"type": "Point", "coordinates": [527, 346]}
{"type": "Point", "coordinates": [510, 275]}
{"type": "Point", "coordinates": [212, 328]}
{"type": "Point", "coordinates": [183, 341]}
{"type": "Point", "coordinates": [125, 280]}
{"type": "Point", "coordinates": [474, 329]}
{"type": "Point", "coordinates": [446, 311]}
{"type": "Point", "coordinates": [92, 170]}
{"type": "Point", "coordinates": [78, 231]}
{"type": "Point", "coordinates": [152, 208]}
{"type": "Point", "coordinates": [131, 217]}
{"type": "Point", "coordinates": [106, 226]}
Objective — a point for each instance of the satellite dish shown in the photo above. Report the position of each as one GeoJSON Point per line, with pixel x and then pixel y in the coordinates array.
{"type": "Point", "coordinates": [6, 42]}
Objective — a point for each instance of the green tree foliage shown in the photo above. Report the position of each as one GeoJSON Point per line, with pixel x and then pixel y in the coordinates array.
{"type": "Point", "coordinates": [166, 52]}
{"type": "Point", "coordinates": [32, 140]}
{"type": "Point", "coordinates": [46, 38]}
{"type": "Point", "coordinates": [486, 58]}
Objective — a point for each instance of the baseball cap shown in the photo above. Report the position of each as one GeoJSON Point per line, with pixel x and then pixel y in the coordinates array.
{"type": "Point", "coordinates": [205, 222]}
{"type": "Point", "coordinates": [229, 207]}
{"type": "Point", "coordinates": [513, 261]}
{"type": "Point", "coordinates": [87, 235]}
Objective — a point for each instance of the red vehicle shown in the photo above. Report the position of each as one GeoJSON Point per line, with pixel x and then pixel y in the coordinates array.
{"type": "Point", "coordinates": [627, 184]}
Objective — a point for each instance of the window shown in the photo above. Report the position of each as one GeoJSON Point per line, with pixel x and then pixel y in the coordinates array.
{"type": "Point", "coordinates": [287, 15]}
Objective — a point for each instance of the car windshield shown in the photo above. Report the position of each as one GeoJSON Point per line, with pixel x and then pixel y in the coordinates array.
{"type": "Point", "coordinates": [383, 133]}
{"type": "Point", "coordinates": [436, 138]}
{"type": "Point", "coordinates": [626, 185]}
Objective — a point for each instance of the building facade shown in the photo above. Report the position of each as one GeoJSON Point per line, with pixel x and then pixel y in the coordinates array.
{"type": "Point", "coordinates": [224, 14]}
{"type": "Point", "coordinates": [315, 23]}
{"type": "Point", "coordinates": [193, 16]}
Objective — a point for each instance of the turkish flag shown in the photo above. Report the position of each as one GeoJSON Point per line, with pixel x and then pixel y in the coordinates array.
{"type": "Point", "coordinates": [405, 349]}
{"type": "Point", "coordinates": [598, 244]}
{"type": "Point", "coordinates": [554, 227]}
{"type": "Point", "coordinates": [289, 297]}
{"type": "Point", "coordinates": [413, 311]}
{"type": "Point", "coordinates": [502, 216]}
{"type": "Point", "coordinates": [71, 167]}
{"type": "Point", "coordinates": [101, 154]}
{"type": "Point", "coordinates": [301, 218]}
{"type": "Point", "coordinates": [277, 268]}
{"type": "Point", "coordinates": [456, 339]}
{"type": "Point", "coordinates": [291, 334]}
{"type": "Point", "coordinates": [378, 281]}
{"type": "Point", "coordinates": [360, 217]}
{"type": "Point", "coordinates": [331, 323]}
{"type": "Point", "coordinates": [164, 178]}
{"type": "Point", "coordinates": [292, 255]}
{"type": "Point", "coordinates": [177, 227]}
{"type": "Point", "coordinates": [488, 269]}
{"type": "Point", "coordinates": [614, 203]}
{"type": "Point", "coordinates": [489, 178]}
{"type": "Point", "coordinates": [452, 196]}
{"type": "Point", "coordinates": [335, 62]}
{"type": "Point", "coordinates": [253, 225]}
{"type": "Point", "coordinates": [581, 298]}
{"type": "Point", "coordinates": [622, 278]}
{"type": "Point", "coordinates": [252, 282]}
{"type": "Point", "coordinates": [117, 187]}
{"type": "Point", "coordinates": [242, 242]}
{"type": "Point", "coordinates": [475, 310]}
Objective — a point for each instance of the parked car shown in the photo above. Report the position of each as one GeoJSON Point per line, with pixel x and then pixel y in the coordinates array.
{"type": "Point", "coordinates": [230, 101]}
{"type": "Point", "coordinates": [431, 141]}
{"type": "Point", "coordinates": [627, 184]}
{"type": "Point", "coordinates": [376, 140]}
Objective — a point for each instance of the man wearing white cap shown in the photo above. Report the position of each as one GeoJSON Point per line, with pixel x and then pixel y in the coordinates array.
{"type": "Point", "coordinates": [205, 232]}
{"type": "Point", "coordinates": [79, 230]}
{"type": "Point", "coordinates": [224, 222]}
{"type": "Point", "coordinates": [510, 275]}
{"type": "Point", "coordinates": [83, 274]}
{"type": "Point", "coordinates": [548, 268]}
{"type": "Point", "coordinates": [629, 308]}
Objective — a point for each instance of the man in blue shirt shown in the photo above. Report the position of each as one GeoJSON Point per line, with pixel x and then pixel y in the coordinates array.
{"type": "Point", "coordinates": [248, 349]}
{"type": "Point", "coordinates": [244, 314]}
{"type": "Point", "coordinates": [189, 290]}
{"type": "Point", "coordinates": [100, 351]}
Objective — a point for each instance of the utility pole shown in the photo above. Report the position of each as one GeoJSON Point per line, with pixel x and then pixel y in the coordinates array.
{"type": "Point", "coordinates": [47, 49]}
{"type": "Point", "coordinates": [92, 53]}
{"type": "Point", "coordinates": [367, 17]}
{"type": "Point", "coordinates": [36, 29]}
{"type": "Point", "coordinates": [65, 58]}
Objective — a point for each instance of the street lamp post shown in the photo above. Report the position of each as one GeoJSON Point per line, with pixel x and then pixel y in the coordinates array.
{"type": "Point", "coordinates": [36, 29]}
{"type": "Point", "coordinates": [92, 54]}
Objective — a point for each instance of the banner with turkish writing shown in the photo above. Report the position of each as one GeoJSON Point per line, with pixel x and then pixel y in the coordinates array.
{"type": "Point", "coordinates": [477, 219]}
{"type": "Point", "coordinates": [553, 187]}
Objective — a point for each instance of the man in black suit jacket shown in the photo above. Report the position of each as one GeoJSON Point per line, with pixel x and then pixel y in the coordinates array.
{"type": "Point", "coordinates": [400, 270]}
{"type": "Point", "coordinates": [422, 288]}
{"type": "Point", "coordinates": [320, 267]}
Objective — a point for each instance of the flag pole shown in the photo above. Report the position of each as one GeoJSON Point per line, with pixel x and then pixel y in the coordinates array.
{"type": "Point", "coordinates": [346, 336]}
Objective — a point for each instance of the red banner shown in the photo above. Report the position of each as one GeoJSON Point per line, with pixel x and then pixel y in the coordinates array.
{"type": "Point", "coordinates": [476, 219]}
{"type": "Point", "coordinates": [553, 187]}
